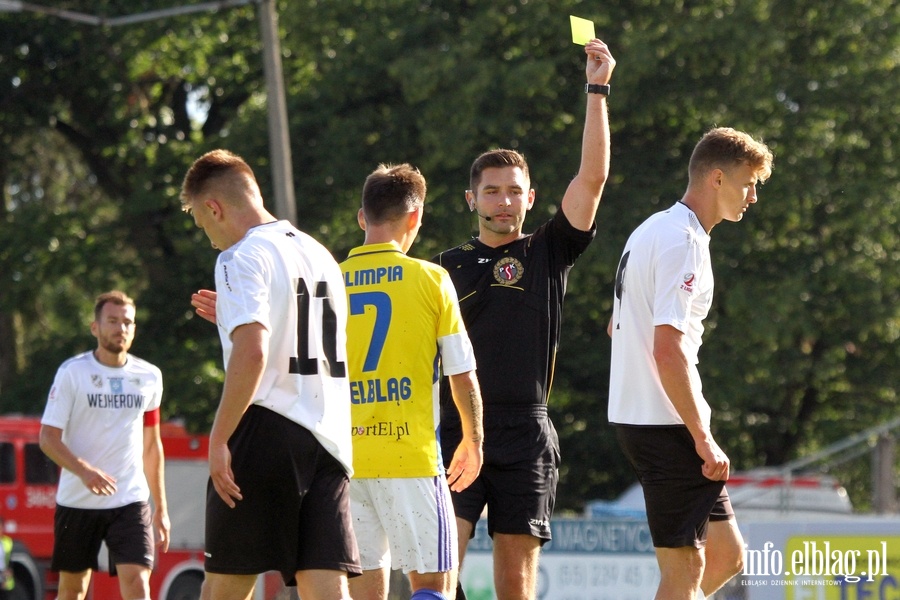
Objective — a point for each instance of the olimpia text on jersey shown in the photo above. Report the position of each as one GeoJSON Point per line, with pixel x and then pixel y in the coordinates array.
{"type": "Point", "coordinates": [373, 276]}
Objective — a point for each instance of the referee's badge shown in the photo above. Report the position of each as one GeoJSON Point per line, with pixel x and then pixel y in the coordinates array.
{"type": "Point", "coordinates": [508, 270]}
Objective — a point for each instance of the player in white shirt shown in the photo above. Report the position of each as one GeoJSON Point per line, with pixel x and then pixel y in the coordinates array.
{"type": "Point", "coordinates": [101, 425]}
{"type": "Point", "coordinates": [670, 282]}
{"type": "Point", "coordinates": [280, 452]}
{"type": "Point", "coordinates": [663, 292]}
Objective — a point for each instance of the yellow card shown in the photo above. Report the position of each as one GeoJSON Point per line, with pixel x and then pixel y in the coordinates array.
{"type": "Point", "coordinates": [582, 30]}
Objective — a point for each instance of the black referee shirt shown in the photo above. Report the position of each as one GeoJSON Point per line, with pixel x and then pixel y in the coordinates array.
{"type": "Point", "coordinates": [511, 298]}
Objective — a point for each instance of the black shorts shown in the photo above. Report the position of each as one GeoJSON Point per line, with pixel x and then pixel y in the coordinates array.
{"type": "Point", "coordinates": [295, 512]}
{"type": "Point", "coordinates": [520, 472]}
{"type": "Point", "coordinates": [79, 532]}
{"type": "Point", "coordinates": [680, 501]}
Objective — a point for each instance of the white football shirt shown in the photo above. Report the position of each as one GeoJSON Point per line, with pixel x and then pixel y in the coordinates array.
{"type": "Point", "coordinates": [664, 278]}
{"type": "Point", "coordinates": [289, 283]}
{"type": "Point", "coordinates": [101, 412]}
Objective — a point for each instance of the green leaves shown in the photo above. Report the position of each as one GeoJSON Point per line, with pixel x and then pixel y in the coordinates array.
{"type": "Point", "coordinates": [99, 124]}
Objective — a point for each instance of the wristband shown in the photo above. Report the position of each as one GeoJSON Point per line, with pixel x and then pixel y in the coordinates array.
{"type": "Point", "coordinates": [596, 88]}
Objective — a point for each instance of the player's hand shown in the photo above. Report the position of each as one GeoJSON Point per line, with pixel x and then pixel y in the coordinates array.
{"type": "Point", "coordinates": [100, 483]}
{"type": "Point", "coordinates": [716, 465]}
{"type": "Point", "coordinates": [162, 528]}
{"type": "Point", "coordinates": [204, 303]}
{"type": "Point", "coordinates": [222, 476]}
{"type": "Point", "coordinates": [465, 466]}
{"type": "Point", "coordinates": [600, 62]}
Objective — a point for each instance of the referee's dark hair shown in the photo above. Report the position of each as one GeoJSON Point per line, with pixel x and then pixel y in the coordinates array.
{"type": "Point", "coordinates": [496, 159]}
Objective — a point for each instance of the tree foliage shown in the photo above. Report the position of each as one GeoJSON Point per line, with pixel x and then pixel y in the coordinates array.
{"type": "Point", "coordinates": [99, 124]}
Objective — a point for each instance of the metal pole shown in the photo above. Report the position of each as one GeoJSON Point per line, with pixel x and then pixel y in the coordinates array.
{"type": "Point", "coordinates": [848, 442]}
{"type": "Point", "coordinates": [70, 15]}
{"type": "Point", "coordinates": [153, 15]}
{"type": "Point", "coordinates": [279, 142]}
{"type": "Point", "coordinates": [884, 481]}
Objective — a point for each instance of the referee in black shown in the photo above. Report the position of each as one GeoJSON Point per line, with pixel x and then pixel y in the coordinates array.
{"type": "Point", "coordinates": [511, 288]}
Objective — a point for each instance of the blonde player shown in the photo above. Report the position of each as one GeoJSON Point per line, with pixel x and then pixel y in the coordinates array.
{"type": "Point", "coordinates": [279, 449]}
{"type": "Point", "coordinates": [663, 292]}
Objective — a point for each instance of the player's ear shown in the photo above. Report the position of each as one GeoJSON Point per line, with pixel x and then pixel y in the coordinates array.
{"type": "Point", "coordinates": [361, 219]}
{"type": "Point", "coordinates": [214, 207]}
{"type": "Point", "coordinates": [415, 217]}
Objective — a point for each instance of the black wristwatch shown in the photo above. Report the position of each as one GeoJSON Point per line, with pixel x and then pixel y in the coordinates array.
{"type": "Point", "coordinates": [596, 88]}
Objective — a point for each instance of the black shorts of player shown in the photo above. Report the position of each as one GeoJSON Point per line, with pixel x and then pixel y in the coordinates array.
{"type": "Point", "coordinates": [519, 475]}
{"type": "Point", "coordinates": [295, 512]}
{"type": "Point", "coordinates": [680, 501]}
{"type": "Point", "coordinates": [80, 531]}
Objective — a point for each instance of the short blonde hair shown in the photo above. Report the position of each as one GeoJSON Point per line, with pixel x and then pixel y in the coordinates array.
{"type": "Point", "coordinates": [724, 147]}
{"type": "Point", "coordinates": [212, 168]}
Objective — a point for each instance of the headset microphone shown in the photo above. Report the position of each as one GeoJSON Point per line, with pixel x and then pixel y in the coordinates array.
{"type": "Point", "coordinates": [485, 217]}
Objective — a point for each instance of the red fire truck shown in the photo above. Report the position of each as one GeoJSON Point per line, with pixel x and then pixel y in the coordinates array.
{"type": "Point", "coordinates": [28, 493]}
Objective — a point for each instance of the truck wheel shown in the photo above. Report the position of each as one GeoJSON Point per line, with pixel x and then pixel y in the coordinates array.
{"type": "Point", "coordinates": [186, 587]}
{"type": "Point", "coordinates": [18, 593]}
{"type": "Point", "coordinates": [27, 573]}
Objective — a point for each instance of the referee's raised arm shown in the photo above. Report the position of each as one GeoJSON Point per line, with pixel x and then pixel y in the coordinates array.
{"type": "Point", "coordinates": [583, 194]}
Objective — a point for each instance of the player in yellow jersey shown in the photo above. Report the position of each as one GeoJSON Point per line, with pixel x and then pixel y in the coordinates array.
{"type": "Point", "coordinates": [404, 330]}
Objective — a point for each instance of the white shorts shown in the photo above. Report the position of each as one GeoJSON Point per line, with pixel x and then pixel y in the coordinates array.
{"type": "Point", "coordinates": [404, 523]}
